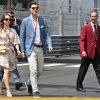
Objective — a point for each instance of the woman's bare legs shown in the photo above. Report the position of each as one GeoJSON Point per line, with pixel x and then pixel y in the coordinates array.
{"type": "Point", "coordinates": [5, 79]}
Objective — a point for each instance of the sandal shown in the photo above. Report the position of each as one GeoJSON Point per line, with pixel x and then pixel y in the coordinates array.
{"type": "Point", "coordinates": [8, 93]}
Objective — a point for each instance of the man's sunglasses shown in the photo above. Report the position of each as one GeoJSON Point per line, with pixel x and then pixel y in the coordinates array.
{"type": "Point", "coordinates": [12, 19]}
{"type": "Point", "coordinates": [35, 8]}
{"type": "Point", "coordinates": [12, 16]}
{"type": "Point", "coordinates": [7, 19]}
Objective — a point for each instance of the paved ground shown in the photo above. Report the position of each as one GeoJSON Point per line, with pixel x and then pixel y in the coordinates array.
{"type": "Point", "coordinates": [59, 79]}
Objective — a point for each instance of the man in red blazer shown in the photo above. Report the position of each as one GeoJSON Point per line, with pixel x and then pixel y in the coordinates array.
{"type": "Point", "coordinates": [89, 50]}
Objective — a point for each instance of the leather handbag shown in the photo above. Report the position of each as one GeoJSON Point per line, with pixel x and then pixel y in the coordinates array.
{"type": "Point", "coordinates": [2, 49]}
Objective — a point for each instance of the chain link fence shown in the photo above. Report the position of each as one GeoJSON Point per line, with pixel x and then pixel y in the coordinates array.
{"type": "Point", "coordinates": [65, 18]}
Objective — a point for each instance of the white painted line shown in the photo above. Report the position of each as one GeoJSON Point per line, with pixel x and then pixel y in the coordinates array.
{"type": "Point", "coordinates": [45, 65]}
{"type": "Point", "coordinates": [76, 65]}
{"type": "Point", "coordinates": [54, 64]}
{"type": "Point", "coordinates": [23, 64]}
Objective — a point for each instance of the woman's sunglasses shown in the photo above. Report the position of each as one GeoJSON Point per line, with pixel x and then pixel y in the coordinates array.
{"type": "Point", "coordinates": [7, 19]}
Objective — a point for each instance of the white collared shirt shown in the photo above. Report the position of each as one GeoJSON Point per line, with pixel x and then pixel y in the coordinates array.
{"type": "Point", "coordinates": [93, 26]}
{"type": "Point", "coordinates": [37, 31]}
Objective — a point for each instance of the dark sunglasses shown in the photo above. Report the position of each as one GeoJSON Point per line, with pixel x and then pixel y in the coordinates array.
{"type": "Point", "coordinates": [12, 16]}
{"type": "Point", "coordinates": [7, 19]}
{"type": "Point", "coordinates": [35, 8]}
{"type": "Point", "coordinates": [12, 19]}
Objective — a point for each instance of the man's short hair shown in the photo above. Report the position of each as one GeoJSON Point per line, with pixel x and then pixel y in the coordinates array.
{"type": "Point", "coordinates": [94, 10]}
{"type": "Point", "coordinates": [32, 3]}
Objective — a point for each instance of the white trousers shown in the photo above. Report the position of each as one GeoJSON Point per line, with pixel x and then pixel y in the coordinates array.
{"type": "Point", "coordinates": [36, 62]}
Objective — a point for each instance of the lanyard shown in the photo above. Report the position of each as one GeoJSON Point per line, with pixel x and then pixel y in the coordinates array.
{"type": "Point", "coordinates": [35, 25]}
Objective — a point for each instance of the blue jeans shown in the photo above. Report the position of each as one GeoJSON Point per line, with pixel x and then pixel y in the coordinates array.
{"type": "Point", "coordinates": [16, 75]}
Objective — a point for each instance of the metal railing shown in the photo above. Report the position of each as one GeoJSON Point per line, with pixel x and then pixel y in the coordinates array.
{"type": "Point", "coordinates": [64, 45]}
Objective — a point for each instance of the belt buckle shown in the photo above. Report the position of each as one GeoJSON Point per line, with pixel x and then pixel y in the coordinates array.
{"type": "Point", "coordinates": [37, 45]}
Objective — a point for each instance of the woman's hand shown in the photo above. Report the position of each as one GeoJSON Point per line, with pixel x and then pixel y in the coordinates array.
{"type": "Point", "coordinates": [19, 53]}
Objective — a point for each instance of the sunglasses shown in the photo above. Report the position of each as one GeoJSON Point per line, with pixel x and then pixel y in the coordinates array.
{"type": "Point", "coordinates": [12, 19]}
{"type": "Point", "coordinates": [35, 8]}
{"type": "Point", "coordinates": [7, 19]}
{"type": "Point", "coordinates": [12, 16]}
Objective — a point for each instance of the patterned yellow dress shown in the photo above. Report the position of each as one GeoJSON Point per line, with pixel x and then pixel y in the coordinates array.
{"type": "Point", "coordinates": [9, 38]}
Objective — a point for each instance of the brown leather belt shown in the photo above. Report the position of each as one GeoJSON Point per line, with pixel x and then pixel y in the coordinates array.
{"type": "Point", "coordinates": [39, 46]}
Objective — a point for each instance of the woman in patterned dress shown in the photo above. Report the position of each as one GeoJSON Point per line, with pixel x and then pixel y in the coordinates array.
{"type": "Point", "coordinates": [8, 38]}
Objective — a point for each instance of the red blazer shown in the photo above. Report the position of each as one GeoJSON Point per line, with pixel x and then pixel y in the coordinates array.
{"type": "Point", "coordinates": [88, 42]}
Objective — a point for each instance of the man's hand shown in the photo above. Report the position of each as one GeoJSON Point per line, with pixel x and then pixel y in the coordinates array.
{"type": "Point", "coordinates": [84, 54]}
{"type": "Point", "coordinates": [22, 55]}
{"type": "Point", "coordinates": [50, 49]}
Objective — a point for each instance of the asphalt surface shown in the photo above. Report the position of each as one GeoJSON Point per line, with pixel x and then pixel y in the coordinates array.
{"type": "Point", "coordinates": [59, 79]}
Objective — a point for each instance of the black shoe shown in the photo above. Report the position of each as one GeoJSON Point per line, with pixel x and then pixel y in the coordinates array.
{"type": "Point", "coordinates": [81, 89]}
{"type": "Point", "coordinates": [36, 94]}
{"type": "Point", "coordinates": [18, 85]}
{"type": "Point", "coordinates": [29, 88]}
